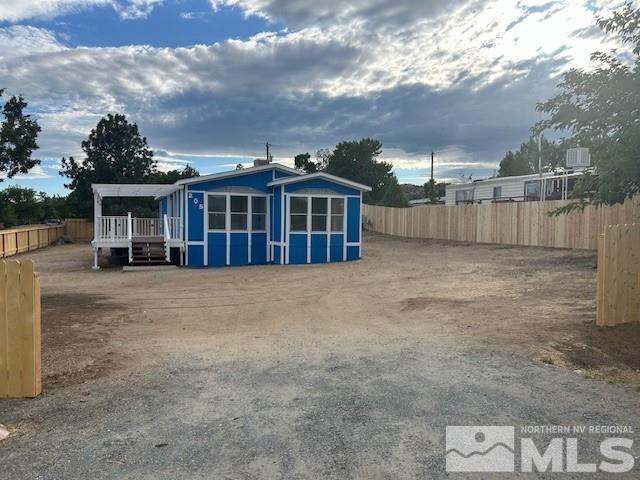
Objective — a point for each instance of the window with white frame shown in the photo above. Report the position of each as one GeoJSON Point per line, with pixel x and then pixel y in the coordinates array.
{"type": "Point", "coordinates": [464, 196]}
{"type": "Point", "coordinates": [217, 212]}
{"type": "Point", "coordinates": [258, 213]}
{"type": "Point", "coordinates": [298, 217]}
{"type": "Point", "coordinates": [319, 214]}
{"type": "Point", "coordinates": [239, 212]}
{"type": "Point", "coordinates": [337, 214]}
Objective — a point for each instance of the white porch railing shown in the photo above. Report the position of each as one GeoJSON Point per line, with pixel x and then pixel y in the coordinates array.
{"type": "Point", "coordinates": [112, 228]}
{"type": "Point", "coordinates": [174, 228]}
{"type": "Point", "coordinates": [147, 227]}
{"type": "Point", "coordinates": [126, 228]}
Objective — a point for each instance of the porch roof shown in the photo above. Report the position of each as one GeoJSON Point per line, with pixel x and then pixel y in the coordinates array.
{"type": "Point", "coordinates": [103, 190]}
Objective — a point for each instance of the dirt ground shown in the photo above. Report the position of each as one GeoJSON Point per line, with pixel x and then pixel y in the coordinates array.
{"type": "Point", "coordinates": [322, 371]}
{"type": "Point", "coordinates": [539, 302]}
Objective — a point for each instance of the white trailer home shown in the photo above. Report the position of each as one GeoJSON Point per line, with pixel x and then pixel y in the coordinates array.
{"type": "Point", "coordinates": [523, 188]}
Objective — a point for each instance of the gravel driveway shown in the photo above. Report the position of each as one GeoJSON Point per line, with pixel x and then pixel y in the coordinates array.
{"type": "Point", "coordinates": [340, 371]}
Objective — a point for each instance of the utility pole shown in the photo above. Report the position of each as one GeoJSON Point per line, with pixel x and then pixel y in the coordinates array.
{"type": "Point", "coordinates": [541, 196]}
{"type": "Point", "coordinates": [268, 155]}
{"type": "Point", "coordinates": [431, 167]}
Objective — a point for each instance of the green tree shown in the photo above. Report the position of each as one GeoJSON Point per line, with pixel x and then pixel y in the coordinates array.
{"type": "Point", "coordinates": [434, 191]}
{"type": "Point", "coordinates": [172, 176]}
{"type": "Point", "coordinates": [302, 161]}
{"type": "Point", "coordinates": [357, 161]}
{"type": "Point", "coordinates": [115, 152]}
{"type": "Point", "coordinates": [525, 160]}
{"type": "Point", "coordinates": [600, 109]}
{"type": "Point", "coordinates": [18, 138]}
{"type": "Point", "coordinates": [21, 206]}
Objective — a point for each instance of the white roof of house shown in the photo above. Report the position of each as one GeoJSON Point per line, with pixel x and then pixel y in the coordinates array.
{"type": "Point", "coordinates": [244, 171]}
{"type": "Point", "coordinates": [515, 178]}
{"type": "Point", "coordinates": [321, 176]}
{"type": "Point", "coordinates": [104, 190]}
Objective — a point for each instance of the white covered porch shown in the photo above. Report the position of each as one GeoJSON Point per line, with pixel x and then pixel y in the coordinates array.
{"type": "Point", "coordinates": [150, 239]}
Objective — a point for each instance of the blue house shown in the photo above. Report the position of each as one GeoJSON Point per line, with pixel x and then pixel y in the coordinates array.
{"type": "Point", "coordinates": [254, 216]}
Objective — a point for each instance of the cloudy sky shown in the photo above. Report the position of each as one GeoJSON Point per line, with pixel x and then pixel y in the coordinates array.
{"type": "Point", "coordinates": [209, 81]}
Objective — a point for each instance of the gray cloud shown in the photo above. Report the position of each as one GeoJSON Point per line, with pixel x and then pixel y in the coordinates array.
{"type": "Point", "coordinates": [458, 77]}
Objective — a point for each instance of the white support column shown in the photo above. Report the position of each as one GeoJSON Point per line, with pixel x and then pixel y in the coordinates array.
{"type": "Point", "coordinates": [249, 226]}
{"type": "Point", "coordinates": [309, 227]}
{"type": "Point", "coordinates": [95, 259]}
{"type": "Point", "coordinates": [97, 213]}
{"type": "Point", "coordinates": [287, 228]}
{"type": "Point", "coordinates": [329, 229]}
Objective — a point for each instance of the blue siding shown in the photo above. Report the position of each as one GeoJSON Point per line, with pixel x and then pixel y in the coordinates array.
{"type": "Point", "coordinates": [322, 184]}
{"type": "Point", "coordinates": [196, 216]}
{"type": "Point", "coordinates": [276, 214]}
{"type": "Point", "coordinates": [239, 249]}
{"type": "Point", "coordinates": [163, 206]}
{"type": "Point", "coordinates": [217, 249]}
{"type": "Point", "coordinates": [253, 180]}
{"type": "Point", "coordinates": [276, 255]}
{"type": "Point", "coordinates": [352, 253]}
{"type": "Point", "coordinates": [195, 256]}
{"type": "Point", "coordinates": [280, 174]}
{"type": "Point", "coordinates": [258, 248]}
{"type": "Point", "coordinates": [298, 248]}
{"type": "Point", "coordinates": [318, 248]}
{"type": "Point", "coordinates": [337, 244]}
{"type": "Point", "coordinates": [353, 219]}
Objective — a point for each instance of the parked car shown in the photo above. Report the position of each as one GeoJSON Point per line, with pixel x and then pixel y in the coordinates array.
{"type": "Point", "coordinates": [52, 221]}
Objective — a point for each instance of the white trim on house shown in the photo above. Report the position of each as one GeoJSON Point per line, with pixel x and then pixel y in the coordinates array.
{"type": "Point", "coordinates": [321, 176]}
{"type": "Point", "coordinates": [236, 173]}
{"type": "Point", "coordinates": [105, 190]}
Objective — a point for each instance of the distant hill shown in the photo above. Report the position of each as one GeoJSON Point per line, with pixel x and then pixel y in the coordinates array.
{"type": "Point", "coordinates": [412, 192]}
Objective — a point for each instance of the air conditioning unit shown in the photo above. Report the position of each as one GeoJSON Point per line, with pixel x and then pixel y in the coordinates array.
{"type": "Point", "coordinates": [578, 158]}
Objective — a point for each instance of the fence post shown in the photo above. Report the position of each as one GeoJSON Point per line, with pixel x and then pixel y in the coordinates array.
{"type": "Point", "coordinates": [20, 358]}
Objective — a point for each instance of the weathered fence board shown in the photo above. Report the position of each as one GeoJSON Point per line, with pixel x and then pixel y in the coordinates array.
{"type": "Point", "coordinates": [516, 223]}
{"type": "Point", "coordinates": [20, 358]}
{"type": "Point", "coordinates": [618, 291]}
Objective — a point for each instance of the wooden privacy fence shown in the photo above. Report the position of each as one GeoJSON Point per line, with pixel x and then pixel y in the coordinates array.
{"type": "Point", "coordinates": [79, 229]}
{"type": "Point", "coordinates": [32, 237]}
{"type": "Point", "coordinates": [619, 275]}
{"type": "Point", "coordinates": [20, 368]}
{"type": "Point", "coordinates": [515, 223]}
{"type": "Point", "coordinates": [25, 239]}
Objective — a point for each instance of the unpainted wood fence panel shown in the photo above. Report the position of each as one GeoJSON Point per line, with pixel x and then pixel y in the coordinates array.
{"type": "Point", "coordinates": [618, 292]}
{"type": "Point", "coordinates": [26, 239]}
{"type": "Point", "coordinates": [20, 347]}
{"type": "Point", "coordinates": [14, 241]}
{"type": "Point", "coordinates": [516, 223]}
{"type": "Point", "coordinates": [79, 229]}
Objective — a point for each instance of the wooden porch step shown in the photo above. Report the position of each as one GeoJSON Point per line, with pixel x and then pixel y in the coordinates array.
{"type": "Point", "coordinates": [150, 251]}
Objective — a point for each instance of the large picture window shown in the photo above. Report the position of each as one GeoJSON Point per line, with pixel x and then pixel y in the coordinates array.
{"type": "Point", "coordinates": [258, 213]}
{"type": "Point", "coordinates": [319, 214]}
{"type": "Point", "coordinates": [337, 214]}
{"type": "Point", "coordinates": [298, 220]}
{"type": "Point", "coordinates": [239, 212]}
{"type": "Point", "coordinates": [217, 212]}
